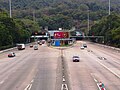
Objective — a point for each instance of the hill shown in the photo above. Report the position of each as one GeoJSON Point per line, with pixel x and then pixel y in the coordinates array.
{"type": "Point", "coordinates": [51, 12]}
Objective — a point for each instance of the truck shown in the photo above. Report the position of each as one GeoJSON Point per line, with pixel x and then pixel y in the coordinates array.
{"type": "Point", "coordinates": [21, 46]}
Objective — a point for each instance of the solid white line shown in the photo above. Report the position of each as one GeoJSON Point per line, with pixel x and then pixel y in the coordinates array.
{"type": "Point", "coordinates": [109, 69]}
{"type": "Point", "coordinates": [27, 87]}
{"type": "Point", "coordinates": [94, 78]}
{"type": "Point", "coordinates": [97, 82]}
{"type": "Point", "coordinates": [32, 81]}
{"type": "Point", "coordinates": [2, 82]}
{"type": "Point", "coordinates": [30, 86]}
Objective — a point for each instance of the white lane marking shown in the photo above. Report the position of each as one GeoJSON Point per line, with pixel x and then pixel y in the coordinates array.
{"type": "Point", "coordinates": [32, 81]}
{"type": "Point", "coordinates": [97, 82]}
{"type": "Point", "coordinates": [100, 87]}
{"type": "Point", "coordinates": [94, 77]}
{"type": "Point", "coordinates": [2, 82]}
{"type": "Point", "coordinates": [63, 79]}
{"type": "Point", "coordinates": [108, 69]}
{"type": "Point", "coordinates": [64, 87]}
{"type": "Point", "coordinates": [29, 86]}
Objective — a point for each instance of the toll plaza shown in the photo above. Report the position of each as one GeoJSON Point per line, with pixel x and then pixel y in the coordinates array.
{"type": "Point", "coordinates": [60, 38]}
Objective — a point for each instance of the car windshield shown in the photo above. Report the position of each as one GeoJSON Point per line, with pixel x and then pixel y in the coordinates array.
{"type": "Point", "coordinates": [75, 57]}
{"type": "Point", "coordinates": [11, 53]}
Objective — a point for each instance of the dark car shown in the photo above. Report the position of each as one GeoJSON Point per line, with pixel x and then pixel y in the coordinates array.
{"type": "Point", "coordinates": [85, 45]}
{"type": "Point", "coordinates": [40, 43]}
{"type": "Point", "coordinates": [43, 41]}
{"type": "Point", "coordinates": [76, 58]}
{"type": "Point", "coordinates": [11, 54]}
{"type": "Point", "coordinates": [31, 46]}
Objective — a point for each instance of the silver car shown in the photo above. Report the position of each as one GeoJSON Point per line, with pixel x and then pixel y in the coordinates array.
{"type": "Point", "coordinates": [76, 58]}
{"type": "Point", "coordinates": [35, 47]}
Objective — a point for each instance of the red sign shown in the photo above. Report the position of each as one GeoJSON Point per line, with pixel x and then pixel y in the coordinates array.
{"type": "Point", "coordinates": [60, 35]}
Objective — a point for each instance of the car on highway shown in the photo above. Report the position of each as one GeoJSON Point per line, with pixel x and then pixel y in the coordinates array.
{"type": "Point", "coordinates": [11, 54]}
{"type": "Point", "coordinates": [31, 45]}
{"type": "Point", "coordinates": [76, 58]}
{"type": "Point", "coordinates": [85, 45]}
{"type": "Point", "coordinates": [21, 46]}
{"type": "Point", "coordinates": [40, 43]}
{"type": "Point", "coordinates": [43, 41]}
{"type": "Point", "coordinates": [82, 47]}
{"type": "Point", "coordinates": [35, 47]}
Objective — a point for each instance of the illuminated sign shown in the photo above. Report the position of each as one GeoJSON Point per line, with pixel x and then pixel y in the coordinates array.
{"type": "Point", "coordinates": [60, 35]}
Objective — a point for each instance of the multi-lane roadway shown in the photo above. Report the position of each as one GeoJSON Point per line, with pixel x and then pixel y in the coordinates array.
{"type": "Point", "coordinates": [42, 69]}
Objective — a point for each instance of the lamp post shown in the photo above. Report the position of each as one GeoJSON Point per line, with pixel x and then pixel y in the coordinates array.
{"type": "Point", "coordinates": [34, 15]}
{"type": "Point", "coordinates": [88, 21]}
{"type": "Point", "coordinates": [10, 8]}
{"type": "Point", "coordinates": [109, 7]}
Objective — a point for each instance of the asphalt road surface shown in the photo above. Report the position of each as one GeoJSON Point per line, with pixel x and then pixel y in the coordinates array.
{"type": "Point", "coordinates": [40, 69]}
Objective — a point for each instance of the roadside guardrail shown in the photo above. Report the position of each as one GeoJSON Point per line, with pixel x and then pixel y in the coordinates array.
{"type": "Point", "coordinates": [2, 51]}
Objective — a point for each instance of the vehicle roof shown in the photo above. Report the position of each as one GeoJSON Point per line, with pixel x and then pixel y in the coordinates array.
{"type": "Point", "coordinates": [11, 52]}
{"type": "Point", "coordinates": [75, 56]}
{"type": "Point", "coordinates": [20, 44]}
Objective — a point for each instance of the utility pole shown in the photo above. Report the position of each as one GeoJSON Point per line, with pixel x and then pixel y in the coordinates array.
{"type": "Point", "coordinates": [34, 15]}
{"type": "Point", "coordinates": [10, 8]}
{"type": "Point", "coordinates": [88, 21]}
{"type": "Point", "coordinates": [109, 7]}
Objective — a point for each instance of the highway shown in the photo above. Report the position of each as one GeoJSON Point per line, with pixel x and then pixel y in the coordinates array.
{"type": "Point", "coordinates": [42, 69]}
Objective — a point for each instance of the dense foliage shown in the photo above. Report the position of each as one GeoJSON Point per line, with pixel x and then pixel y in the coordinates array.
{"type": "Point", "coordinates": [14, 31]}
{"type": "Point", "coordinates": [54, 13]}
{"type": "Point", "coordinates": [58, 14]}
{"type": "Point", "coordinates": [109, 27]}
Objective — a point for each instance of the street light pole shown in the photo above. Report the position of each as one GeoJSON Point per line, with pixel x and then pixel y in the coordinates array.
{"type": "Point", "coordinates": [109, 7]}
{"type": "Point", "coordinates": [88, 21]}
{"type": "Point", "coordinates": [10, 8]}
{"type": "Point", "coordinates": [34, 15]}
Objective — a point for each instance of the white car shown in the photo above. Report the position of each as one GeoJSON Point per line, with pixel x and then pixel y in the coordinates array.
{"type": "Point", "coordinates": [82, 47]}
{"type": "Point", "coordinates": [76, 58]}
{"type": "Point", "coordinates": [11, 54]}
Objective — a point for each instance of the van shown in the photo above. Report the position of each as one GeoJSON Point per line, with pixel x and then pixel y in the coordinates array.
{"type": "Point", "coordinates": [21, 46]}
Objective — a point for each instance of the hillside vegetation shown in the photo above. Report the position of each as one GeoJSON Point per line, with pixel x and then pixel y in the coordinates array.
{"type": "Point", "coordinates": [109, 27]}
{"type": "Point", "coordinates": [31, 15]}
{"type": "Point", "coordinates": [14, 31]}
{"type": "Point", "coordinates": [51, 12]}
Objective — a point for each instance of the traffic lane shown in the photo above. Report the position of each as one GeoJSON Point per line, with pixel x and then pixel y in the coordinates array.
{"type": "Point", "coordinates": [111, 65]}
{"type": "Point", "coordinates": [7, 62]}
{"type": "Point", "coordinates": [80, 75]}
{"type": "Point", "coordinates": [45, 79]}
{"type": "Point", "coordinates": [14, 66]}
{"type": "Point", "coordinates": [20, 75]}
{"type": "Point", "coordinates": [111, 81]}
{"type": "Point", "coordinates": [112, 61]}
{"type": "Point", "coordinates": [5, 54]}
{"type": "Point", "coordinates": [109, 52]}
{"type": "Point", "coordinates": [20, 78]}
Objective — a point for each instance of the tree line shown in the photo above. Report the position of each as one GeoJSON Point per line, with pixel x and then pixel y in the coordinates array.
{"type": "Point", "coordinates": [109, 27]}
{"type": "Point", "coordinates": [14, 31]}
